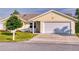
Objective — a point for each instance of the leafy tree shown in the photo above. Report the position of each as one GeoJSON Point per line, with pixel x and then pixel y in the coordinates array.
{"type": "Point", "coordinates": [77, 24]}
{"type": "Point", "coordinates": [15, 12]}
{"type": "Point", "coordinates": [13, 23]}
{"type": "Point", "coordinates": [77, 11]}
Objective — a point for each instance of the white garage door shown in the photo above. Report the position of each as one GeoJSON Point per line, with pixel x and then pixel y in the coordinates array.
{"type": "Point", "coordinates": [61, 28]}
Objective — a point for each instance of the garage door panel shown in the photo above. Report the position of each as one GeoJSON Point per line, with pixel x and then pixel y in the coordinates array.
{"type": "Point", "coordinates": [57, 28]}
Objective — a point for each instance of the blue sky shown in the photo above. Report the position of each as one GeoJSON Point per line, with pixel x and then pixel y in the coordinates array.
{"type": "Point", "coordinates": [4, 12]}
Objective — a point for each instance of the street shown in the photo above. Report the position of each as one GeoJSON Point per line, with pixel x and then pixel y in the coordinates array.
{"type": "Point", "coordinates": [21, 46]}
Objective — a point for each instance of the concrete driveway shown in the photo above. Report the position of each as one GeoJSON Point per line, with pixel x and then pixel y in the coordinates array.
{"type": "Point", "coordinates": [54, 38]}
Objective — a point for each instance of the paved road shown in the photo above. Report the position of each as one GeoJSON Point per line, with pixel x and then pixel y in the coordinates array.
{"type": "Point", "coordinates": [38, 47]}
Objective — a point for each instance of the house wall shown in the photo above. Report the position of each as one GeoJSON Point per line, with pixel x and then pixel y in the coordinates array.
{"type": "Point", "coordinates": [2, 26]}
{"type": "Point", "coordinates": [25, 26]}
{"type": "Point", "coordinates": [41, 27]}
{"type": "Point", "coordinates": [52, 17]}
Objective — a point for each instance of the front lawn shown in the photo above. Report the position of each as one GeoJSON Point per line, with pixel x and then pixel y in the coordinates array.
{"type": "Point", "coordinates": [20, 36]}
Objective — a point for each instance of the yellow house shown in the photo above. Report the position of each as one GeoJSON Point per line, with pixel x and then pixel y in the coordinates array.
{"type": "Point", "coordinates": [48, 22]}
{"type": "Point", "coordinates": [53, 22]}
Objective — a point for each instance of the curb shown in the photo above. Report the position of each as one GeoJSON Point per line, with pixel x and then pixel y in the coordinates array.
{"type": "Point", "coordinates": [56, 42]}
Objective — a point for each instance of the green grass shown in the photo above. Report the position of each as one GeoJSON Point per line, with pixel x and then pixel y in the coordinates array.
{"type": "Point", "coordinates": [20, 36]}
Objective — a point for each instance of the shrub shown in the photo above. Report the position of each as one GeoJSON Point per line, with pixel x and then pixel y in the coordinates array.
{"type": "Point", "coordinates": [77, 27]}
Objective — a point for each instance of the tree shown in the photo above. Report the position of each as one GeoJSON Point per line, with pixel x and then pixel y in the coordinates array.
{"type": "Point", "coordinates": [15, 12]}
{"type": "Point", "coordinates": [77, 23]}
{"type": "Point", "coordinates": [12, 24]}
{"type": "Point", "coordinates": [77, 13]}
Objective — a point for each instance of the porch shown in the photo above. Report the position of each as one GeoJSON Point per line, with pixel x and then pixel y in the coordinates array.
{"type": "Point", "coordinates": [35, 27]}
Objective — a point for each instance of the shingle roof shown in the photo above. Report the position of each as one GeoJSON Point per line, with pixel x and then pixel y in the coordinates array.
{"type": "Point", "coordinates": [26, 17]}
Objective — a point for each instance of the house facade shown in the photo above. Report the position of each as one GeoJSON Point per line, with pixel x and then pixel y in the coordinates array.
{"type": "Point", "coordinates": [53, 22]}
{"type": "Point", "coordinates": [49, 22]}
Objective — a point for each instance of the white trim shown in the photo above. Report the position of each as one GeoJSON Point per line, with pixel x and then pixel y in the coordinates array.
{"type": "Point", "coordinates": [33, 27]}
{"type": "Point", "coordinates": [42, 27]}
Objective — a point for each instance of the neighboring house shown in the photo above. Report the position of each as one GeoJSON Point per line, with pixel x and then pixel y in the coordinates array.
{"type": "Point", "coordinates": [49, 22]}
{"type": "Point", "coordinates": [23, 17]}
{"type": "Point", "coordinates": [1, 24]}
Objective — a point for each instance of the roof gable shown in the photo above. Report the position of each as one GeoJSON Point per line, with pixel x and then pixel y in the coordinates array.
{"type": "Point", "coordinates": [59, 13]}
{"type": "Point", "coordinates": [23, 17]}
